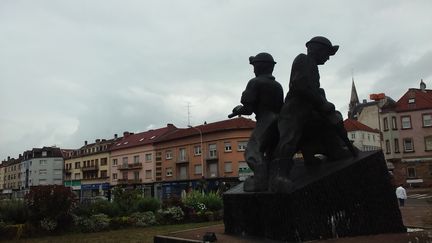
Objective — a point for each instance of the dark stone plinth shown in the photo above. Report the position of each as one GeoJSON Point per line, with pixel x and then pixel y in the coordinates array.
{"type": "Point", "coordinates": [336, 199]}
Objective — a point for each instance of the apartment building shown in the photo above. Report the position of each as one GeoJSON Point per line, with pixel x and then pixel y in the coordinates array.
{"type": "Point", "coordinates": [133, 159]}
{"type": "Point", "coordinates": [213, 152]}
{"type": "Point", "coordinates": [413, 121]}
{"type": "Point", "coordinates": [87, 170]}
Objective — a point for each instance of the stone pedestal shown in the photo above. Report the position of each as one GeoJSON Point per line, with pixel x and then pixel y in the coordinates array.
{"type": "Point", "coordinates": [336, 199]}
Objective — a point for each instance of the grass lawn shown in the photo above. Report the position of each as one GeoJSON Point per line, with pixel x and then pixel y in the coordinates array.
{"type": "Point", "coordinates": [124, 235]}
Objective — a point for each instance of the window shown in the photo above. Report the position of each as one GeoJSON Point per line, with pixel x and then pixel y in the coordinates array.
{"type": "Point", "coordinates": [428, 143]}
{"type": "Point", "coordinates": [388, 149]}
{"type": "Point", "coordinates": [148, 157]}
{"type": "Point", "coordinates": [104, 161]}
{"type": "Point", "coordinates": [396, 145]}
{"type": "Point", "coordinates": [125, 161]}
{"type": "Point", "coordinates": [114, 162]}
{"type": "Point", "coordinates": [394, 123]}
{"type": "Point", "coordinates": [42, 181]}
{"type": "Point", "coordinates": [385, 121]}
{"type": "Point", "coordinates": [41, 162]}
{"type": "Point", "coordinates": [212, 151]}
{"type": "Point", "coordinates": [44, 153]}
{"type": "Point", "coordinates": [103, 173]}
{"type": "Point", "coordinates": [228, 167]}
{"type": "Point", "coordinates": [158, 156]}
{"type": "Point", "coordinates": [406, 122]}
{"type": "Point", "coordinates": [408, 145]}
{"type": "Point", "coordinates": [148, 174]}
{"type": "Point", "coordinates": [136, 159]}
{"type": "Point", "coordinates": [411, 172]}
{"type": "Point", "coordinates": [136, 175]}
{"type": "Point", "coordinates": [198, 170]}
{"type": "Point", "coordinates": [77, 165]}
{"type": "Point", "coordinates": [427, 120]}
{"type": "Point", "coordinates": [169, 171]}
{"type": "Point", "coordinates": [352, 135]}
{"type": "Point", "coordinates": [411, 101]}
{"type": "Point", "coordinates": [77, 176]}
{"type": "Point", "coordinates": [168, 154]}
{"type": "Point", "coordinates": [114, 176]}
{"type": "Point", "coordinates": [241, 146]}
{"type": "Point", "coordinates": [58, 172]}
{"type": "Point", "coordinates": [368, 137]}
{"type": "Point", "coordinates": [183, 172]}
{"type": "Point", "coordinates": [228, 147]}
{"type": "Point", "coordinates": [182, 154]}
{"type": "Point", "coordinates": [197, 150]}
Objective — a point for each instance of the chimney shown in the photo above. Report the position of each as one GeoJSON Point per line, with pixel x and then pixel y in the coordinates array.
{"type": "Point", "coordinates": [85, 142]}
{"type": "Point", "coordinates": [126, 134]}
{"type": "Point", "coordinates": [422, 86]}
{"type": "Point", "coordinates": [97, 140]}
{"type": "Point", "coordinates": [364, 101]}
{"type": "Point", "coordinates": [115, 136]}
{"type": "Point", "coordinates": [8, 158]}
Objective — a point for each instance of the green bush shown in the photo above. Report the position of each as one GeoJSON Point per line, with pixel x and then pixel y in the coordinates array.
{"type": "Point", "coordinates": [100, 221]}
{"type": "Point", "coordinates": [105, 207]}
{"type": "Point", "coordinates": [51, 202]}
{"type": "Point", "coordinates": [213, 201]}
{"type": "Point", "coordinates": [83, 223]}
{"type": "Point", "coordinates": [126, 200]}
{"type": "Point", "coordinates": [146, 204]}
{"type": "Point", "coordinates": [170, 215]}
{"type": "Point", "coordinates": [143, 219]}
{"type": "Point", "coordinates": [13, 211]}
{"type": "Point", "coordinates": [203, 202]}
{"type": "Point", "coordinates": [120, 222]}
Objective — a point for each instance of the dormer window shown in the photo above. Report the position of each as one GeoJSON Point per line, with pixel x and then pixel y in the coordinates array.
{"type": "Point", "coordinates": [411, 101]}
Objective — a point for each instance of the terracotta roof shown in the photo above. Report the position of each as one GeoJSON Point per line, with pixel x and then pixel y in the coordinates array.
{"type": "Point", "coordinates": [422, 100]}
{"type": "Point", "coordinates": [225, 125]}
{"type": "Point", "coordinates": [353, 125]}
{"type": "Point", "coordinates": [142, 138]}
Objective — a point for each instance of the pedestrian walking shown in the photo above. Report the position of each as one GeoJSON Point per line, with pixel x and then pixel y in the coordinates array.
{"type": "Point", "coordinates": [401, 195]}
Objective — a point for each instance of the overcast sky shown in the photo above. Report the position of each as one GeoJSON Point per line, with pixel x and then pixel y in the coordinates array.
{"type": "Point", "coordinates": [80, 70]}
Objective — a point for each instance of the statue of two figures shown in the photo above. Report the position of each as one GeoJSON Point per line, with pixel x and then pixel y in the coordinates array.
{"type": "Point", "coordinates": [305, 121]}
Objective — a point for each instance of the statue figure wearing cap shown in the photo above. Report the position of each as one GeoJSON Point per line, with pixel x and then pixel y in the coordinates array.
{"type": "Point", "coordinates": [264, 97]}
{"type": "Point", "coordinates": [307, 121]}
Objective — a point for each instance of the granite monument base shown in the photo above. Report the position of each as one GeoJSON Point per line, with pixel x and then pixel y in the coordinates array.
{"type": "Point", "coordinates": [343, 198]}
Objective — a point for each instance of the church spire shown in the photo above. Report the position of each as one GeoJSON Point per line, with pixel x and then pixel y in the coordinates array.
{"type": "Point", "coordinates": [354, 101]}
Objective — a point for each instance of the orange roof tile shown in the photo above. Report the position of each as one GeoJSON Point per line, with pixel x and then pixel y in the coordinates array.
{"type": "Point", "coordinates": [415, 99]}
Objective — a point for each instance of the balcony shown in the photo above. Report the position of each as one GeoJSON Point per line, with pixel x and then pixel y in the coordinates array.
{"type": "Point", "coordinates": [212, 156]}
{"type": "Point", "coordinates": [133, 166]}
{"type": "Point", "coordinates": [184, 159]}
{"type": "Point", "coordinates": [68, 171]}
{"type": "Point", "coordinates": [128, 181]}
{"type": "Point", "coordinates": [90, 168]}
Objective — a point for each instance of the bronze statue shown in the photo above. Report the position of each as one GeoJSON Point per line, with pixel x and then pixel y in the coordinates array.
{"type": "Point", "coordinates": [264, 97]}
{"type": "Point", "coordinates": [307, 121]}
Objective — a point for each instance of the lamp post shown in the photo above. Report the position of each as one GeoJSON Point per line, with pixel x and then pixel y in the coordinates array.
{"type": "Point", "coordinates": [202, 148]}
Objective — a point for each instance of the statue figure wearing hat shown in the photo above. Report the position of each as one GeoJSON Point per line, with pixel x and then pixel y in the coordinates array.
{"type": "Point", "coordinates": [264, 97]}
{"type": "Point", "coordinates": [307, 121]}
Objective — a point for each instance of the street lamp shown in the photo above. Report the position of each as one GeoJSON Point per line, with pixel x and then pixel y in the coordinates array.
{"type": "Point", "coordinates": [202, 149]}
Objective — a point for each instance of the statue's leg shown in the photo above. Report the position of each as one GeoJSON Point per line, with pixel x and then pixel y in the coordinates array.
{"type": "Point", "coordinates": [256, 154]}
{"type": "Point", "coordinates": [290, 131]}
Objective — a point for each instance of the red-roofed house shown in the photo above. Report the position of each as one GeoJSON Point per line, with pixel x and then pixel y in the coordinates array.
{"type": "Point", "coordinates": [133, 158]}
{"type": "Point", "coordinates": [413, 121]}
{"type": "Point", "coordinates": [363, 137]}
{"type": "Point", "coordinates": [213, 151]}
